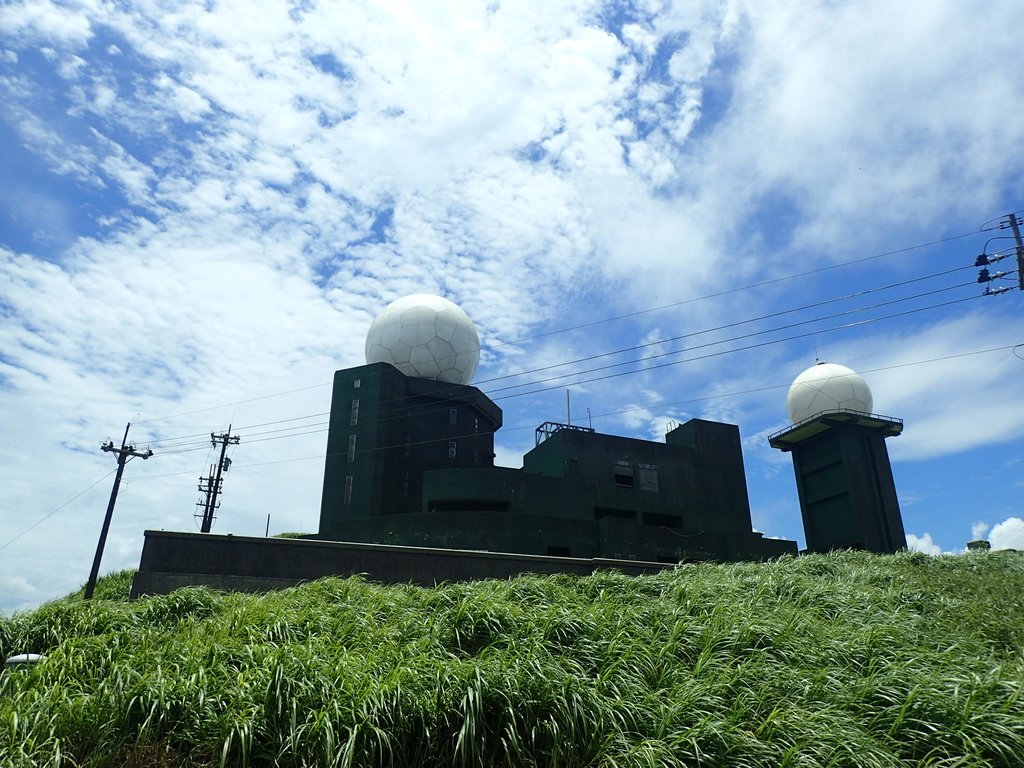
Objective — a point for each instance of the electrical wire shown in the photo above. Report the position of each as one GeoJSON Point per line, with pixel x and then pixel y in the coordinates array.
{"type": "Point", "coordinates": [714, 343]}
{"type": "Point", "coordinates": [769, 316]}
{"type": "Point", "coordinates": [47, 516]}
{"type": "Point", "coordinates": [844, 326]}
{"type": "Point", "coordinates": [402, 410]}
{"type": "Point", "coordinates": [1002, 222]}
{"type": "Point", "coordinates": [682, 302]}
{"type": "Point", "coordinates": [646, 407]}
{"type": "Point", "coordinates": [675, 362]}
{"type": "Point", "coordinates": [655, 406]}
{"type": "Point", "coordinates": [825, 302]}
{"type": "Point", "coordinates": [729, 291]}
{"type": "Point", "coordinates": [236, 402]}
{"type": "Point", "coordinates": [394, 413]}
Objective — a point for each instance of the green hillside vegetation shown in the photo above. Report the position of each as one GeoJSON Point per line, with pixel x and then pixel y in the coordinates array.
{"type": "Point", "coordinates": [848, 659]}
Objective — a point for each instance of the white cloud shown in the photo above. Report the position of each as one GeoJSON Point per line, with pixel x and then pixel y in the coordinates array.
{"type": "Point", "coordinates": [979, 531]}
{"type": "Point", "coordinates": [923, 543]}
{"type": "Point", "coordinates": [37, 20]}
{"type": "Point", "coordinates": [1008, 534]}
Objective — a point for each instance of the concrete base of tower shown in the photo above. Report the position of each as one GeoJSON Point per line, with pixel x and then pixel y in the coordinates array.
{"type": "Point", "coordinates": [844, 480]}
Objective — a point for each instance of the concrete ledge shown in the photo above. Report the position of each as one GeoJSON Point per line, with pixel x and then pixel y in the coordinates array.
{"type": "Point", "coordinates": [171, 560]}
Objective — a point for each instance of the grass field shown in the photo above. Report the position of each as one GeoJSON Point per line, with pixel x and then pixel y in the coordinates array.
{"type": "Point", "coordinates": [842, 660]}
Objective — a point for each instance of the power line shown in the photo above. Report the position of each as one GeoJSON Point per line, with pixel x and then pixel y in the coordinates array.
{"type": "Point", "coordinates": [687, 359]}
{"type": "Point", "coordinates": [613, 413]}
{"type": "Point", "coordinates": [638, 347]}
{"type": "Point", "coordinates": [246, 429]}
{"type": "Point", "coordinates": [236, 402]}
{"type": "Point", "coordinates": [47, 516]}
{"type": "Point", "coordinates": [443, 403]}
{"type": "Point", "coordinates": [717, 294]}
{"type": "Point", "coordinates": [844, 326]}
{"type": "Point", "coordinates": [506, 429]}
{"type": "Point", "coordinates": [712, 343]}
{"type": "Point", "coordinates": [395, 413]}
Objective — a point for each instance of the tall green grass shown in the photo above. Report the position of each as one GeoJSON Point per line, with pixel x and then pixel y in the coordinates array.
{"type": "Point", "coordinates": [842, 660]}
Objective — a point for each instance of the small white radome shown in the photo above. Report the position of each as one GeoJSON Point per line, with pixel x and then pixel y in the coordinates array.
{"type": "Point", "coordinates": [827, 388]}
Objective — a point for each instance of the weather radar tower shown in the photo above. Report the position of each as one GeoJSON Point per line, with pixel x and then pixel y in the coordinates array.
{"type": "Point", "coordinates": [843, 475]}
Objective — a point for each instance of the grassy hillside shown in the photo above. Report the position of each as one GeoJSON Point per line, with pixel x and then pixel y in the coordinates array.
{"type": "Point", "coordinates": [842, 660]}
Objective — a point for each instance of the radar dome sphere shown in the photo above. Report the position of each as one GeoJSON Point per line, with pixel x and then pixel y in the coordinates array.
{"type": "Point", "coordinates": [427, 337]}
{"type": "Point", "coordinates": [827, 388]}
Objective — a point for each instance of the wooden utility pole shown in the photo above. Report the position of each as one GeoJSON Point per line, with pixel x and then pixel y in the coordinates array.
{"type": "Point", "coordinates": [124, 454]}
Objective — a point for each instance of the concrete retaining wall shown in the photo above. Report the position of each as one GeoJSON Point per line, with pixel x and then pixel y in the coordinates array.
{"type": "Point", "coordinates": [172, 560]}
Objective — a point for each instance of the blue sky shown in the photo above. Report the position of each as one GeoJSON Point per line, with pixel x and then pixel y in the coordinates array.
{"type": "Point", "coordinates": [204, 205]}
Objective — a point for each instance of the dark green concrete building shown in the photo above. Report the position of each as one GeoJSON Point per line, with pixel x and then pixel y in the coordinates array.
{"type": "Point", "coordinates": [411, 462]}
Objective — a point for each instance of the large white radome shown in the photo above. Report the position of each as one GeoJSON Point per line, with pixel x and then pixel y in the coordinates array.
{"type": "Point", "coordinates": [827, 388]}
{"type": "Point", "coordinates": [425, 336]}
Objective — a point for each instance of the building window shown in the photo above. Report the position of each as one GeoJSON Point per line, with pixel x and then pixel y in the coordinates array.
{"type": "Point", "coordinates": [351, 447]}
{"type": "Point", "coordinates": [453, 415]}
{"type": "Point", "coordinates": [348, 489]}
{"type": "Point", "coordinates": [354, 418]}
{"type": "Point", "coordinates": [357, 383]}
{"type": "Point", "coordinates": [623, 474]}
{"type": "Point", "coordinates": [451, 450]}
{"type": "Point", "coordinates": [649, 478]}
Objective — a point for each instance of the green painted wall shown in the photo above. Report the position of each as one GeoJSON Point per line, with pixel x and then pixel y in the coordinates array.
{"type": "Point", "coordinates": [847, 493]}
{"type": "Point", "coordinates": [386, 430]}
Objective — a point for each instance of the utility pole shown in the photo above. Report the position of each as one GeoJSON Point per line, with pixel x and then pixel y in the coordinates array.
{"type": "Point", "coordinates": [214, 481]}
{"type": "Point", "coordinates": [124, 454]}
{"type": "Point", "coordinates": [1015, 226]}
